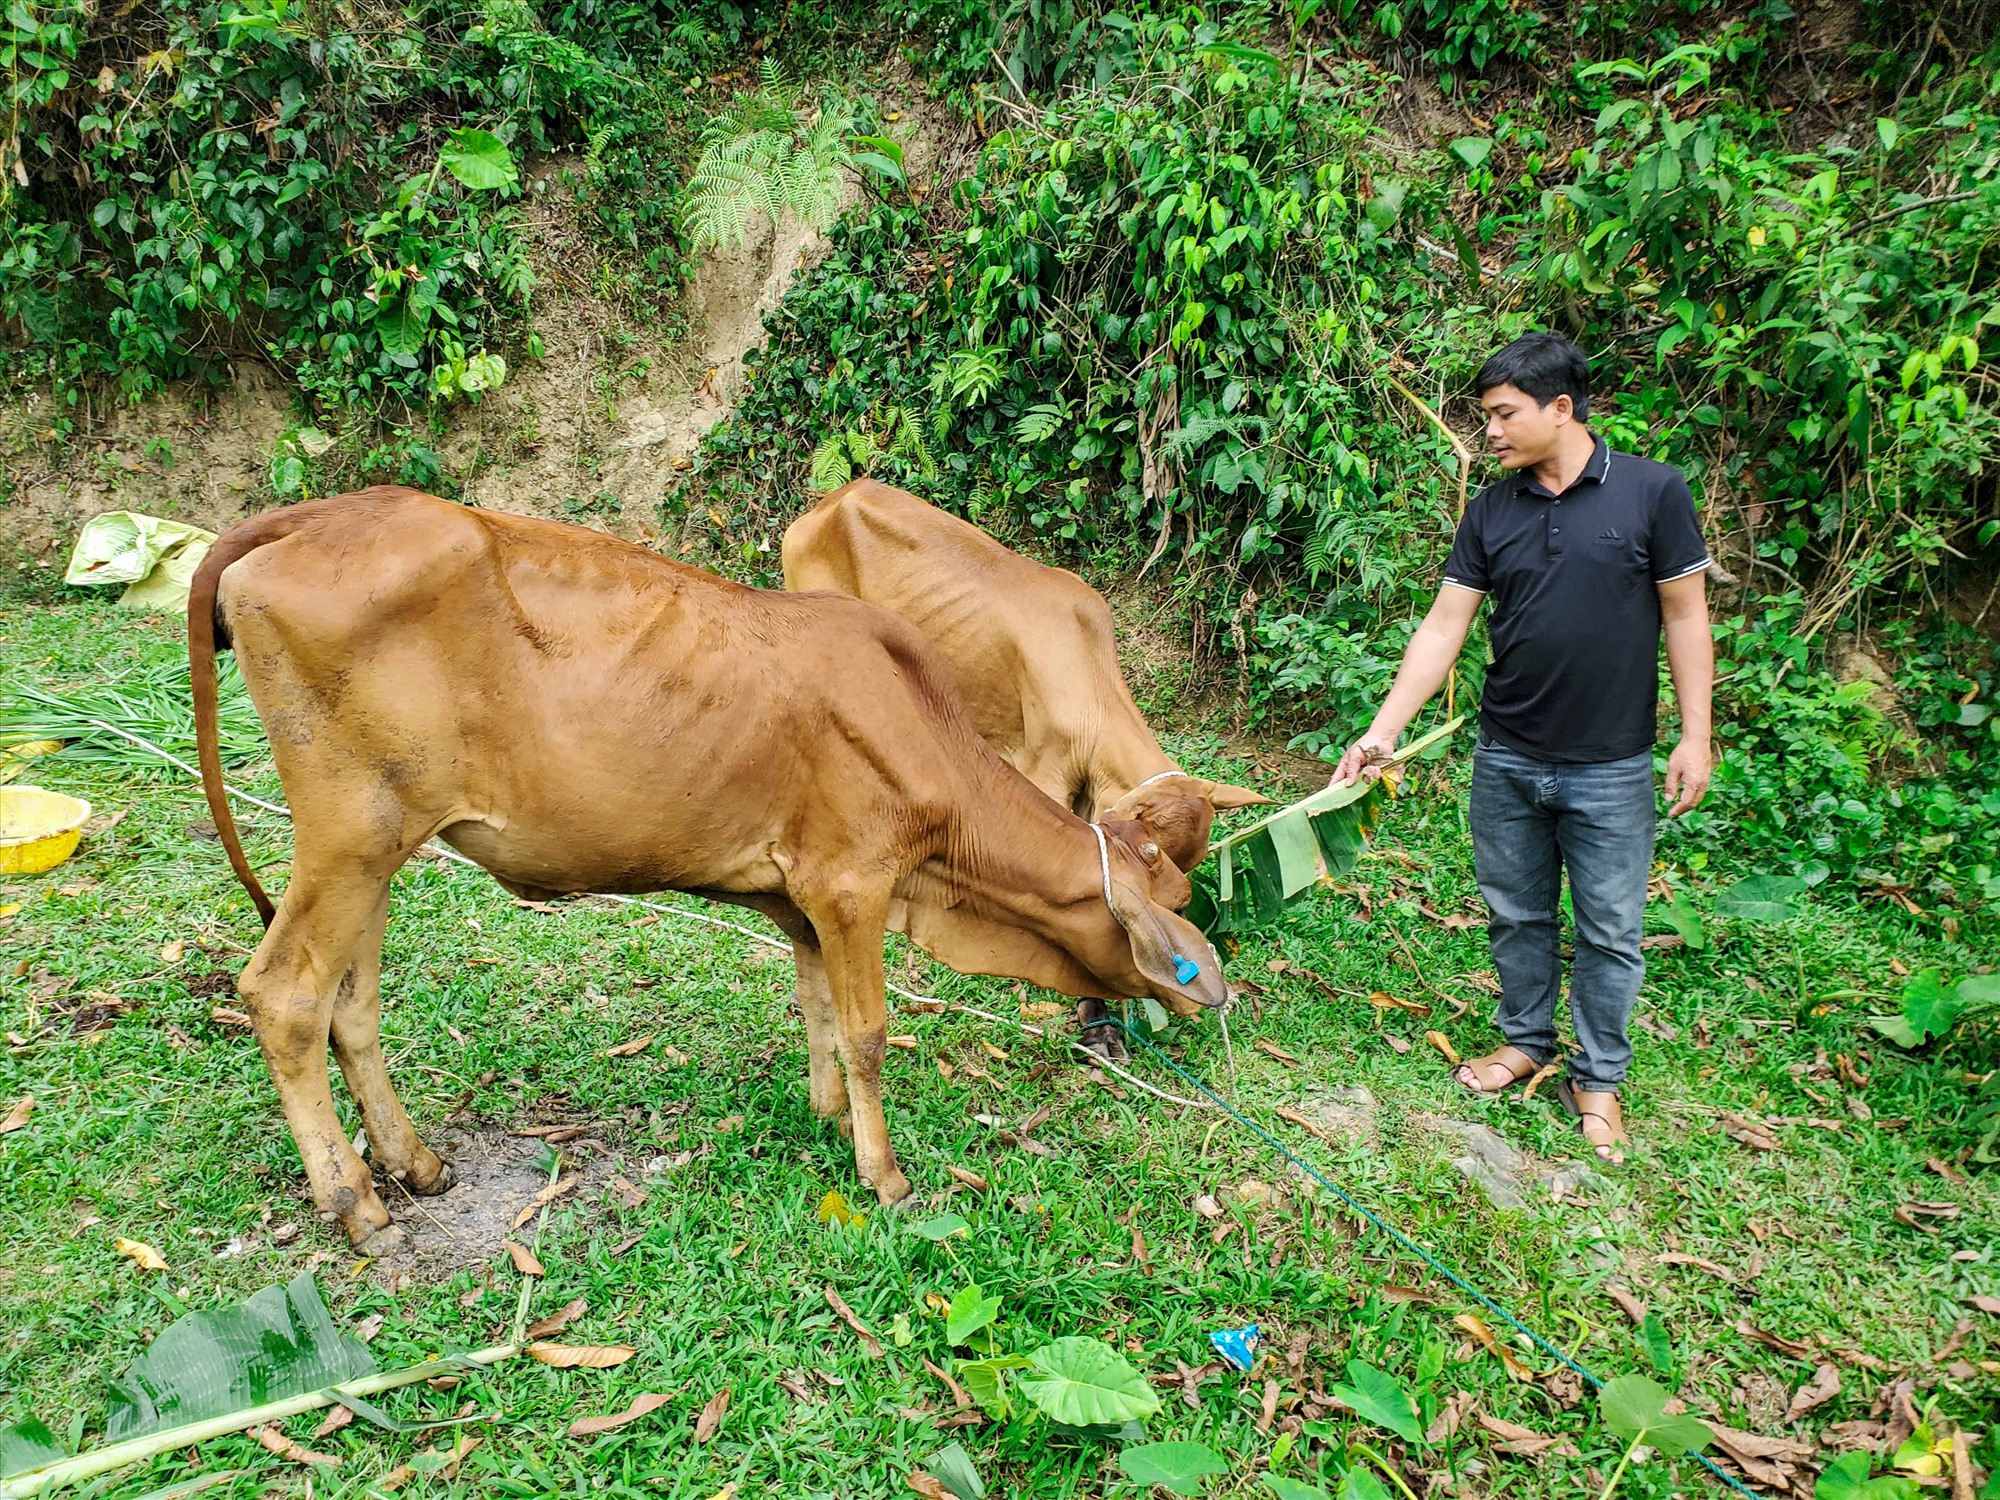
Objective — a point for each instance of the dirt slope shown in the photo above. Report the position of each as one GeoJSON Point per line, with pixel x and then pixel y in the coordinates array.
{"type": "Point", "coordinates": [598, 431]}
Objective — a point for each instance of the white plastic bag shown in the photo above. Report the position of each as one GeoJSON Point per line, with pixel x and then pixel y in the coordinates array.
{"type": "Point", "coordinates": [155, 557]}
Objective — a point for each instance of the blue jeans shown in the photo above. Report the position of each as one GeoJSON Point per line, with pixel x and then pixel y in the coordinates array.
{"type": "Point", "coordinates": [1531, 820]}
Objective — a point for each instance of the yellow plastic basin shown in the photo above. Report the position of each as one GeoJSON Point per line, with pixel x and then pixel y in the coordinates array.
{"type": "Point", "coordinates": [38, 829]}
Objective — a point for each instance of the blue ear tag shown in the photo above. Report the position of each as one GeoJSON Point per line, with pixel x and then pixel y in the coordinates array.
{"type": "Point", "coordinates": [1238, 1346]}
{"type": "Point", "coordinates": [1185, 969]}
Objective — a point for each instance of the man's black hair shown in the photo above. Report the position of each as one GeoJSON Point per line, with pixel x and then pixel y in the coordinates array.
{"type": "Point", "coordinates": [1545, 366]}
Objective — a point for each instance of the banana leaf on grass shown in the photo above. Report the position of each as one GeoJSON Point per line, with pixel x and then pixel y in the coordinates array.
{"type": "Point", "coordinates": [1257, 871]}
{"type": "Point", "coordinates": [221, 1371]}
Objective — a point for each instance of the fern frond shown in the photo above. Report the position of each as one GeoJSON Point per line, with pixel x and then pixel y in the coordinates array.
{"type": "Point", "coordinates": [1041, 422]}
{"type": "Point", "coordinates": [777, 82]}
{"type": "Point", "coordinates": [831, 467]}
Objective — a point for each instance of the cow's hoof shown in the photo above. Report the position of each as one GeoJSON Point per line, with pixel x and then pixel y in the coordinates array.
{"type": "Point", "coordinates": [390, 1239]}
{"type": "Point", "coordinates": [445, 1180]}
{"type": "Point", "coordinates": [845, 1125]}
{"type": "Point", "coordinates": [892, 1189]}
{"type": "Point", "coordinates": [1106, 1041]}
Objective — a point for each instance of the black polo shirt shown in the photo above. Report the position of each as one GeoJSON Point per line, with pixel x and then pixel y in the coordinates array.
{"type": "Point", "coordinates": [1574, 582]}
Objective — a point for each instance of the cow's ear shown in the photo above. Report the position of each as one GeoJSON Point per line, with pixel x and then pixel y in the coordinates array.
{"type": "Point", "coordinates": [1222, 796]}
{"type": "Point", "coordinates": [1169, 950]}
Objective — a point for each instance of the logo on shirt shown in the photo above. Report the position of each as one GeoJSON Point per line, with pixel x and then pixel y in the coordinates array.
{"type": "Point", "coordinates": [1610, 534]}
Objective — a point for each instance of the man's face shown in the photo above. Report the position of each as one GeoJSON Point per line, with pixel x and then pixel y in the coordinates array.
{"type": "Point", "coordinates": [1523, 432]}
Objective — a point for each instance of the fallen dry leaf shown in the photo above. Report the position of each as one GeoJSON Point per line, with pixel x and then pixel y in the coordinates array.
{"type": "Point", "coordinates": [1815, 1393]}
{"type": "Point", "coordinates": [998, 1054]}
{"type": "Point", "coordinates": [1455, 1410]}
{"type": "Point", "coordinates": [1390, 1292]}
{"type": "Point", "coordinates": [971, 1179]}
{"type": "Point", "coordinates": [1397, 1044]}
{"type": "Point", "coordinates": [946, 1071]}
{"type": "Point", "coordinates": [558, 1320]}
{"type": "Point", "coordinates": [834, 1209]}
{"type": "Point", "coordinates": [1752, 1133]}
{"type": "Point", "coordinates": [729, 1124]}
{"type": "Point", "coordinates": [1043, 1010]}
{"type": "Point", "coordinates": [632, 1048]}
{"type": "Point", "coordinates": [1383, 1000]}
{"type": "Point", "coordinates": [284, 1447]}
{"type": "Point", "coordinates": [1272, 1049]}
{"type": "Point", "coordinates": [1308, 1125]}
{"type": "Point", "coordinates": [1777, 1341]}
{"type": "Point", "coordinates": [171, 953]}
{"type": "Point", "coordinates": [548, 1195]}
{"type": "Point", "coordinates": [1909, 1213]}
{"type": "Point", "coordinates": [223, 1015]}
{"type": "Point", "coordinates": [711, 1416]}
{"type": "Point", "coordinates": [336, 1419]}
{"type": "Point", "coordinates": [524, 1259]}
{"type": "Point", "coordinates": [1960, 1332]}
{"type": "Point", "coordinates": [925, 1485]}
{"type": "Point", "coordinates": [958, 1395]}
{"type": "Point", "coordinates": [368, 1327]}
{"type": "Point", "coordinates": [1986, 1304]}
{"type": "Point", "coordinates": [846, 1315]}
{"type": "Point", "coordinates": [17, 1117]}
{"type": "Point", "coordinates": [1628, 1304]}
{"type": "Point", "coordinates": [591, 1426]}
{"type": "Point", "coordinates": [1675, 1258]}
{"type": "Point", "coordinates": [1483, 1336]}
{"type": "Point", "coordinates": [1564, 1386]}
{"type": "Point", "coordinates": [674, 1055]}
{"type": "Point", "coordinates": [907, 1043]}
{"type": "Point", "coordinates": [1525, 1440]}
{"type": "Point", "coordinates": [141, 1254]}
{"type": "Point", "coordinates": [580, 1356]}
{"type": "Point", "coordinates": [1443, 1044]}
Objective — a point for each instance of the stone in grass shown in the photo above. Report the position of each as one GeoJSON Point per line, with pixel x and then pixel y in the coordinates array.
{"type": "Point", "coordinates": [1499, 1169]}
{"type": "Point", "coordinates": [1342, 1116]}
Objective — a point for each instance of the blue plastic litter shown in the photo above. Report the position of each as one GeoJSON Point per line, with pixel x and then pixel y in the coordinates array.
{"type": "Point", "coordinates": [1237, 1345]}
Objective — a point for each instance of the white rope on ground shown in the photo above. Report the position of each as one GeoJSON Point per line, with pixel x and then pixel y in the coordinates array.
{"type": "Point", "coordinates": [445, 851]}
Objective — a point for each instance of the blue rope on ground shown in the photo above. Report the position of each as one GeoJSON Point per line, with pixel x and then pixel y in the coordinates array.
{"type": "Point", "coordinates": [1404, 1240]}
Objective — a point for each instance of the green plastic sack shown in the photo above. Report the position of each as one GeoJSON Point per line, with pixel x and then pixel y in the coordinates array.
{"type": "Point", "coordinates": [156, 558]}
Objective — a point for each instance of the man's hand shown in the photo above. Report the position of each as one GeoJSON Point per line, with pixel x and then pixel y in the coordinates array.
{"type": "Point", "coordinates": [1688, 772]}
{"type": "Point", "coordinates": [1364, 757]}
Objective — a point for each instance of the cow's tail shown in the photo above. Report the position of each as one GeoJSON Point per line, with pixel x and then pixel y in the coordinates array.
{"type": "Point", "coordinates": [205, 635]}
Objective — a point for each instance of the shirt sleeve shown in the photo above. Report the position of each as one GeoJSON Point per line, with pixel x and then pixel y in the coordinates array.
{"type": "Point", "coordinates": [1466, 567]}
{"type": "Point", "coordinates": [1676, 547]}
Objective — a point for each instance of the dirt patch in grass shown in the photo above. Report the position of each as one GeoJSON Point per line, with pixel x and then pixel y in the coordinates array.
{"type": "Point", "coordinates": [499, 1174]}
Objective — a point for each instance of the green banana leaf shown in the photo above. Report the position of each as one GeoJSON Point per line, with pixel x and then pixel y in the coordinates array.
{"type": "Point", "coordinates": [280, 1343]}
{"type": "Point", "coordinates": [1258, 870]}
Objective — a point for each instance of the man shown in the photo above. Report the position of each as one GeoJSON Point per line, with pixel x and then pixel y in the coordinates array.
{"type": "Point", "coordinates": [1585, 554]}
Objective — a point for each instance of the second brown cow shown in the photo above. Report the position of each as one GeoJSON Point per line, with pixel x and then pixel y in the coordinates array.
{"type": "Point", "coordinates": [1034, 655]}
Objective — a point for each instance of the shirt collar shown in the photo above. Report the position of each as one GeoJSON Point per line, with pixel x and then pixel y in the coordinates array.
{"type": "Point", "coordinates": [1594, 470]}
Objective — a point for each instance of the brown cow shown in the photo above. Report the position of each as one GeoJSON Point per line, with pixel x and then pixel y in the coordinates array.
{"type": "Point", "coordinates": [1033, 652]}
{"type": "Point", "coordinates": [577, 714]}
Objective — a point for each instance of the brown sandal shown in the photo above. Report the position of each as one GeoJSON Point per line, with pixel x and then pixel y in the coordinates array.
{"type": "Point", "coordinates": [1520, 1066]}
{"type": "Point", "coordinates": [1608, 1150]}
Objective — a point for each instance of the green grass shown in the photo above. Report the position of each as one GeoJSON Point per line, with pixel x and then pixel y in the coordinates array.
{"type": "Point", "coordinates": [163, 1127]}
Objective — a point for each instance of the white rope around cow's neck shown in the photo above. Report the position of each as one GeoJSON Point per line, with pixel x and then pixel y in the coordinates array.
{"type": "Point", "coordinates": [1104, 864]}
{"type": "Point", "coordinates": [1158, 776]}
